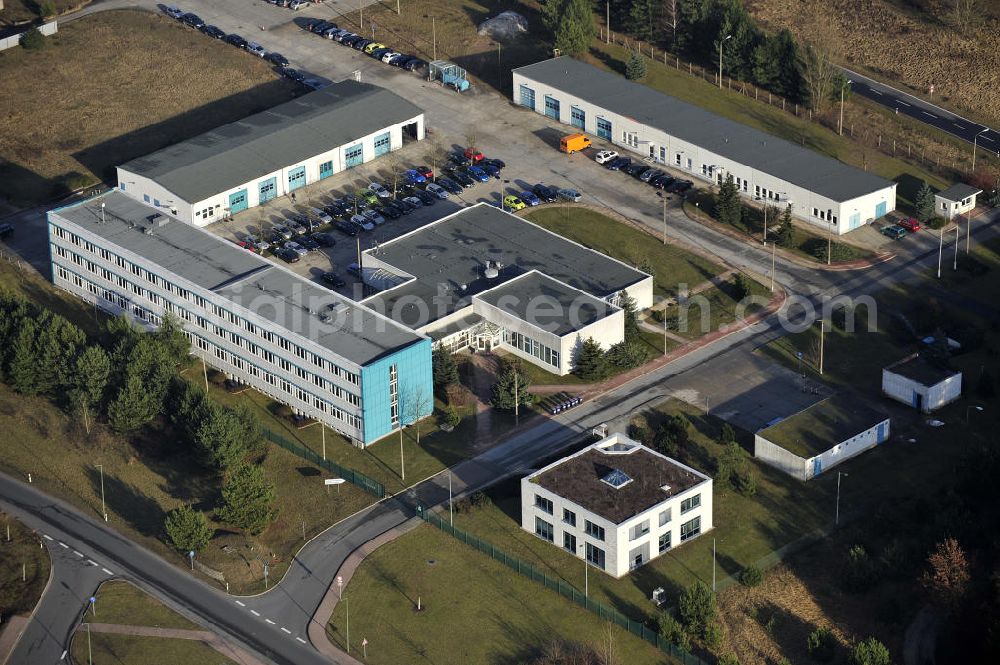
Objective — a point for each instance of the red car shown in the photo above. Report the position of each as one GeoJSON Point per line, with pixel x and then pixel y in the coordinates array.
{"type": "Point", "coordinates": [474, 155]}
{"type": "Point", "coordinates": [910, 225]}
{"type": "Point", "coordinates": [425, 171]}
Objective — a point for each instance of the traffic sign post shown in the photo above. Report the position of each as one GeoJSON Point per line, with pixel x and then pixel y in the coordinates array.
{"type": "Point", "coordinates": [191, 556]}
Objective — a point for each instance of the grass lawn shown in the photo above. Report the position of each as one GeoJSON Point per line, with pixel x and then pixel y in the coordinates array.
{"type": "Point", "coordinates": [131, 650]}
{"type": "Point", "coordinates": [475, 610]}
{"type": "Point", "coordinates": [773, 120]}
{"type": "Point", "coordinates": [117, 73]}
{"type": "Point", "coordinates": [122, 603]}
{"type": "Point", "coordinates": [713, 309]}
{"type": "Point", "coordinates": [673, 267]}
{"type": "Point", "coordinates": [18, 11]}
{"type": "Point", "coordinates": [24, 568]}
{"type": "Point", "coordinates": [978, 279]}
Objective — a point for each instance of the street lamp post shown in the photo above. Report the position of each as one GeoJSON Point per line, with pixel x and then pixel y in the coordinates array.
{"type": "Point", "coordinates": [773, 245]}
{"type": "Point", "coordinates": [968, 230]}
{"type": "Point", "coordinates": [840, 125]}
{"type": "Point", "coordinates": [451, 510]}
{"type": "Point", "coordinates": [940, 251]}
{"type": "Point", "coordinates": [975, 140]}
{"type": "Point", "coordinates": [104, 507]}
{"type": "Point", "coordinates": [955, 265]}
{"type": "Point", "coordinates": [586, 571]}
{"type": "Point", "coordinates": [724, 40]}
{"type": "Point", "coordinates": [402, 467]}
{"type": "Point", "coordinates": [836, 519]}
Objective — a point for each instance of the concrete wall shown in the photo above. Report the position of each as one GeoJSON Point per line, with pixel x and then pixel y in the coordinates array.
{"type": "Point", "coordinates": [47, 29]}
{"type": "Point", "coordinates": [779, 458]}
{"type": "Point", "coordinates": [804, 469]}
{"type": "Point", "coordinates": [193, 212]}
{"type": "Point", "coordinates": [905, 390]}
{"type": "Point", "coordinates": [702, 165]}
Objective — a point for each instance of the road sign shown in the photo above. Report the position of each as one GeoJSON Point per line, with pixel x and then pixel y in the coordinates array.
{"type": "Point", "coordinates": [191, 554]}
{"type": "Point", "coordinates": [334, 481]}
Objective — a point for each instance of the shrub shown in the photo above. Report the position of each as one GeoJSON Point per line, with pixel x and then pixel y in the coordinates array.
{"type": "Point", "coordinates": [697, 608]}
{"type": "Point", "coordinates": [839, 251]}
{"type": "Point", "coordinates": [741, 286]}
{"type": "Point", "coordinates": [32, 40]}
{"type": "Point", "coordinates": [635, 68]}
{"type": "Point", "coordinates": [936, 222]}
{"type": "Point", "coordinates": [860, 572]}
{"type": "Point", "coordinates": [728, 659]}
{"type": "Point", "coordinates": [727, 435]}
{"type": "Point", "coordinates": [820, 644]}
{"type": "Point", "coordinates": [751, 576]}
{"type": "Point", "coordinates": [627, 354]}
{"type": "Point", "coordinates": [672, 631]}
{"type": "Point", "coordinates": [713, 635]}
{"type": "Point", "coordinates": [451, 417]}
{"type": "Point", "coordinates": [870, 652]}
{"type": "Point", "coordinates": [46, 8]}
{"type": "Point", "coordinates": [187, 529]}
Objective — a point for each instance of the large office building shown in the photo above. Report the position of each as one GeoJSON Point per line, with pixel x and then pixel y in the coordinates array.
{"type": "Point", "coordinates": [617, 504]}
{"type": "Point", "coordinates": [327, 357]}
{"type": "Point", "coordinates": [272, 153]}
{"type": "Point", "coordinates": [483, 278]}
{"type": "Point", "coordinates": [665, 130]}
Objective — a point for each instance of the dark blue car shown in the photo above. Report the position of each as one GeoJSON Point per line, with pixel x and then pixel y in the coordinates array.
{"type": "Point", "coordinates": [478, 174]}
{"type": "Point", "coordinates": [529, 198]}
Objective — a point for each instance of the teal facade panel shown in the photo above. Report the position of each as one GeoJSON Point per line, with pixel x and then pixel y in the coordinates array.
{"type": "Point", "coordinates": [415, 389]}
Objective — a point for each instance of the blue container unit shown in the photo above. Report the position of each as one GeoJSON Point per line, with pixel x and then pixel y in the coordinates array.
{"type": "Point", "coordinates": [396, 389]}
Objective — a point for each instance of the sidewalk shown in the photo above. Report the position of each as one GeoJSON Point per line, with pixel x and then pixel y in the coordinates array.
{"type": "Point", "coordinates": [210, 639]}
{"type": "Point", "coordinates": [10, 634]}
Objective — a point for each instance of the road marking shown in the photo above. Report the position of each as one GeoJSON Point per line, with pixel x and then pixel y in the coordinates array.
{"type": "Point", "coordinates": [241, 604]}
{"type": "Point", "coordinates": [900, 101]}
{"type": "Point", "coordinates": [91, 562]}
{"type": "Point", "coordinates": [987, 138]}
{"type": "Point", "coordinates": [255, 613]}
{"type": "Point", "coordinates": [62, 657]}
{"type": "Point", "coordinates": [875, 91]}
{"type": "Point", "coordinates": [269, 621]}
{"type": "Point", "coordinates": [286, 630]}
{"type": "Point", "coordinates": [47, 538]}
{"type": "Point", "coordinates": [107, 571]}
{"type": "Point", "coordinates": [78, 554]}
{"type": "Point", "coordinates": [63, 545]}
{"type": "Point", "coordinates": [958, 125]}
{"type": "Point", "coordinates": [300, 640]}
{"type": "Point", "coordinates": [930, 114]}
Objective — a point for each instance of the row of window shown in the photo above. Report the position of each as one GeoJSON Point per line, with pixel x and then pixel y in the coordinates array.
{"type": "Point", "coordinates": [199, 301]}
{"type": "Point", "coordinates": [208, 212]}
{"type": "Point", "coordinates": [532, 347]}
{"type": "Point", "coordinates": [204, 324]}
{"type": "Point", "coordinates": [825, 215]}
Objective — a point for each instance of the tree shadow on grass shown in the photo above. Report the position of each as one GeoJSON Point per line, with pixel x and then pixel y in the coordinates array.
{"type": "Point", "coordinates": [140, 511]}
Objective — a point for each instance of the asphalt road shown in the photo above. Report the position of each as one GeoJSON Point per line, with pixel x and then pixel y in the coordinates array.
{"type": "Point", "coordinates": [925, 112]}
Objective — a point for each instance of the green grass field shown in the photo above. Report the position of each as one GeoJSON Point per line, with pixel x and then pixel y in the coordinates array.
{"type": "Point", "coordinates": [108, 649]}
{"type": "Point", "coordinates": [120, 602]}
{"type": "Point", "coordinates": [474, 609]}
{"type": "Point", "coordinates": [24, 568]}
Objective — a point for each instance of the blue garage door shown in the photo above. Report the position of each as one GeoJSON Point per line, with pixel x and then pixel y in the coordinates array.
{"type": "Point", "coordinates": [880, 209]}
{"type": "Point", "coordinates": [880, 434]}
{"type": "Point", "coordinates": [817, 466]}
{"type": "Point", "coordinates": [296, 178]}
{"type": "Point", "coordinates": [577, 117]}
{"type": "Point", "coordinates": [552, 107]}
{"type": "Point", "coordinates": [267, 189]}
{"type": "Point", "coordinates": [326, 169]}
{"type": "Point", "coordinates": [527, 97]}
{"type": "Point", "coordinates": [383, 143]}
{"type": "Point", "coordinates": [604, 128]}
{"type": "Point", "coordinates": [855, 220]}
{"type": "Point", "coordinates": [354, 156]}
{"type": "Point", "coordinates": [237, 201]}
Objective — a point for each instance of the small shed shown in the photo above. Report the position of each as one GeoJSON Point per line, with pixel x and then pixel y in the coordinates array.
{"type": "Point", "coordinates": [814, 440]}
{"type": "Point", "coordinates": [956, 200]}
{"type": "Point", "coordinates": [917, 383]}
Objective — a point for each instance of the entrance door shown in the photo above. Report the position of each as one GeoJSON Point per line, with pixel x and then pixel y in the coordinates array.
{"type": "Point", "coordinates": [527, 97]}
{"type": "Point", "coordinates": [296, 178]}
{"type": "Point", "coordinates": [383, 143]}
{"type": "Point", "coordinates": [354, 156]}
{"type": "Point", "coordinates": [817, 466]}
{"type": "Point", "coordinates": [880, 209]}
{"type": "Point", "coordinates": [577, 117]}
{"type": "Point", "coordinates": [880, 434]}
{"type": "Point", "coordinates": [855, 220]}
{"type": "Point", "coordinates": [552, 107]}
{"type": "Point", "coordinates": [267, 189]}
{"type": "Point", "coordinates": [237, 201]}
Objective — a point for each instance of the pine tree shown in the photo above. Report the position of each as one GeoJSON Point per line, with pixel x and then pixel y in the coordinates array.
{"type": "Point", "coordinates": [591, 364]}
{"type": "Point", "coordinates": [786, 230]}
{"type": "Point", "coordinates": [510, 381]}
{"type": "Point", "coordinates": [132, 407]}
{"type": "Point", "coordinates": [445, 370]}
{"type": "Point", "coordinates": [631, 310]}
{"type": "Point", "coordinates": [635, 68]}
{"type": "Point", "coordinates": [573, 26]}
{"type": "Point", "coordinates": [923, 202]}
{"type": "Point", "coordinates": [22, 368]}
{"type": "Point", "coordinates": [223, 436]}
{"type": "Point", "coordinates": [89, 381]}
{"type": "Point", "coordinates": [728, 208]}
{"type": "Point", "coordinates": [247, 500]}
{"type": "Point", "coordinates": [187, 529]}
{"type": "Point", "coordinates": [171, 336]}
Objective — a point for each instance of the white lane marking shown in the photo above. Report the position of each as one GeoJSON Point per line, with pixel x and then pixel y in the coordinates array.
{"type": "Point", "coordinates": [241, 604]}
{"type": "Point", "coordinates": [108, 572]}
{"type": "Point", "coordinates": [900, 101]}
{"type": "Point", "coordinates": [958, 125]}
{"type": "Point", "coordinates": [285, 630]}
{"type": "Point", "coordinates": [91, 562]}
{"type": "Point", "coordinates": [269, 621]}
{"type": "Point", "coordinates": [875, 91]}
{"type": "Point", "coordinates": [78, 554]}
{"type": "Point", "coordinates": [986, 138]}
{"type": "Point", "coordinates": [62, 657]}
{"type": "Point", "coordinates": [63, 545]}
{"type": "Point", "coordinates": [46, 537]}
{"type": "Point", "coordinates": [255, 613]}
{"type": "Point", "coordinates": [930, 114]}
{"type": "Point", "coordinates": [300, 640]}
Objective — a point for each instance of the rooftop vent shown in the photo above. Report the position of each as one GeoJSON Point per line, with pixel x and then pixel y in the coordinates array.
{"type": "Point", "coordinates": [616, 478]}
{"type": "Point", "coordinates": [158, 220]}
{"type": "Point", "coordinates": [665, 488]}
{"type": "Point", "coordinates": [491, 271]}
{"type": "Point", "coordinates": [148, 230]}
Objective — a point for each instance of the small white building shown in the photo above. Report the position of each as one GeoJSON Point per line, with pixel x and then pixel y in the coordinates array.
{"type": "Point", "coordinates": [917, 383]}
{"type": "Point", "coordinates": [664, 130]}
{"type": "Point", "coordinates": [249, 162]}
{"type": "Point", "coordinates": [810, 442]}
{"type": "Point", "coordinates": [956, 200]}
{"type": "Point", "coordinates": [617, 504]}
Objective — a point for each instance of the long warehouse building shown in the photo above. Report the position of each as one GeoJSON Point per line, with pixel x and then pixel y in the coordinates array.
{"type": "Point", "coordinates": [327, 357]}
{"type": "Point", "coordinates": [272, 153]}
{"type": "Point", "coordinates": [665, 130]}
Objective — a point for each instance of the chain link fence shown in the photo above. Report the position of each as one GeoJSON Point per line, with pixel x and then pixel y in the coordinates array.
{"type": "Point", "coordinates": [354, 477]}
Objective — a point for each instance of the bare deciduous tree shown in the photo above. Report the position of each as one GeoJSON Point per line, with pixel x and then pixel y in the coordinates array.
{"type": "Point", "coordinates": [962, 12]}
{"type": "Point", "coordinates": [947, 574]}
{"type": "Point", "coordinates": [819, 73]}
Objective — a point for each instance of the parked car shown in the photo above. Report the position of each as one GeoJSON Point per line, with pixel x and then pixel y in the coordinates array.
{"type": "Point", "coordinates": [425, 171]}
{"type": "Point", "coordinates": [412, 202]}
{"type": "Point", "coordinates": [298, 228]}
{"type": "Point", "coordinates": [314, 84]}
{"type": "Point", "coordinates": [490, 170]}
{"type": "Point", "coordinates": [477, 173]}
{"type": "Point", "coordinates": [513, 202]}
{"type": "Point", "coordinates": [354, 269]}
{"type": "Point", "coordinates": [474, 155]}
{"type": "Point", "coordinates": [317, 27]}
{"type": "Point", "coordinates": [192, 20]}
{"type": "Point", "coordinates": [321, 215]}
{"type": "Point", "coordinates": [910, 224]}
{"type": "Point", "coordinates": [894, 232]}
{"type": "Point", "coordinates": [680, 186]}
{"type": "Point", "coordinates": [297, 4]}
{"type": "Point", "coordinates": [649, 174]}
{"type": "Point", "coordinates": [414, 176]}
{"type": "Point", "coordinates": [437, 190]}
{"type": "Point", "coordinates": [307, 242]}
{"type": "Point", "coordinates": [333, 279]}
{"type": "Point", "coordinates": [570, 195]}
{"type": "Point", "coordinates": [374, 217]}
{"type": "Point", "coordinates": [618, 163]}
{"type": "Point", "coordinates": [414, 64]}
{"type": "Point", "coordinates": [371, 47]}
{"type": "Point", "coordinates": [293, 74]}
{"type": "Point", "coordinates": [450, 185]}
{"type": "Point", "coordinates": [399, 59]}
{"type": "Point", "coordinates": [605, 156]}
{"type": "Point", "coordinates": [662, 181]}
{"type": "Point", "coordinates": [282, 231]}
{"type": "Point", "coordinates": [390, 211]}
{"type": "Point", "coordinates": [635, 169]}
{"type": "Point", "coordinates": [173, 12]}
{"type": "Point", "coordinates": [236, 40]}
{"type": "Point", "coordinates": [387, 57]}
{"type": "Point", "coordinates": [259, 245]}
{"type": "Point", "coordinates": [296, 247]}
{"type": "Point", "coordinates": [346, 227]}
{"type": "Point", "coordinates": [287, 255]}
{"type": "Point", "coordinates": [493, 161]}
{"type": "Point", "coordinates": [530, 199]}
{"type": "Point", "coordinates": [256, 49]}
{"type": "Point", "coordinates": [332, 31]}
{"type": "Point", "coordinates": [379, 191]}
{"type": "Point", "coordinates": [363, 222]}
{"type": "Point", "coordinates": [324, 239]}
{"type": "Point", "coordinates": [213, 32]}
{"type": "Point", "coordinates": [545, 193]}
{"type": "Point", "coordinates": [460, 176]}
{"type": "Point", "coordinates": [424, 197]}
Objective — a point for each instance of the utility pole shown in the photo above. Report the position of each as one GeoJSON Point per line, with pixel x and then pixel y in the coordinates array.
{"type": "Point", "coordinates": [968, 230]}
{"type": "Point", "coordinates": [664, 330]}
{"type": "Point", "coordinates": [822, 329]}
{"type": "Point", "coordinates": [664, 220]}
{"type": "Point", "coordinates": [724, 40]}
{"type": "Point", "coordinates": [840, 124]}
{"type": "Point", "coordinates": [361, 12]}
{"type": "Point", "coordinates": [104, 508]}
{"type": "Point", "coordinates": [499, 70]}
{"type": "Point", "coordinates": [765, 222]}
{"type": "Point", "coordinates": [434, 41]}
{"type": "Point", "coordinates": [607, 31]}
{"type": "Point", "coordinates": [773, 246]}
{"type": "Point", "coordinates": [975, 140]}
{"type": "Point", "coordinates": [204, 371]}
{"type": "Point", "coordinates": [517, 401]}
{"type": "Point", "coordinates": [940, 251]}
{"type": "Point", "coordinates": [90, 648]}
{"type": "Point", "coordinates": [402, 468]}
{"type": "Point", "coordinates": [957, 231]}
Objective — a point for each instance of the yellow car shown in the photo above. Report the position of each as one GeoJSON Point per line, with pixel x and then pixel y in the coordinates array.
{"type": "Point", "coordinates": [371, 48]}
{"type": "Point", "coordinates": [513, 203]}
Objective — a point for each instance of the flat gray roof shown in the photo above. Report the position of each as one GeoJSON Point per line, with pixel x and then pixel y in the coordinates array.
{"type": "Point", "coordinates": [959, 191]}
{"type": "Point", "coordinates": [290, 133]}
{"type": "Point", "coordinates": [743, 144]}
{"type": "Point", "coordinates": [547, 303]}
{"type": "Point", "coordinates": [920, 370]}
{"type": "Point", "coordinates": [270, 291]}
{"type": "Point", "coordinates": [451, 253]}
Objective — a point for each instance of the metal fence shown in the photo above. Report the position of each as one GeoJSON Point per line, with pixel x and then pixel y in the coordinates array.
{"type": "Point", "coordinates": [637, 628]}
{"type": "Point", "coordinates": [354, 477]}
